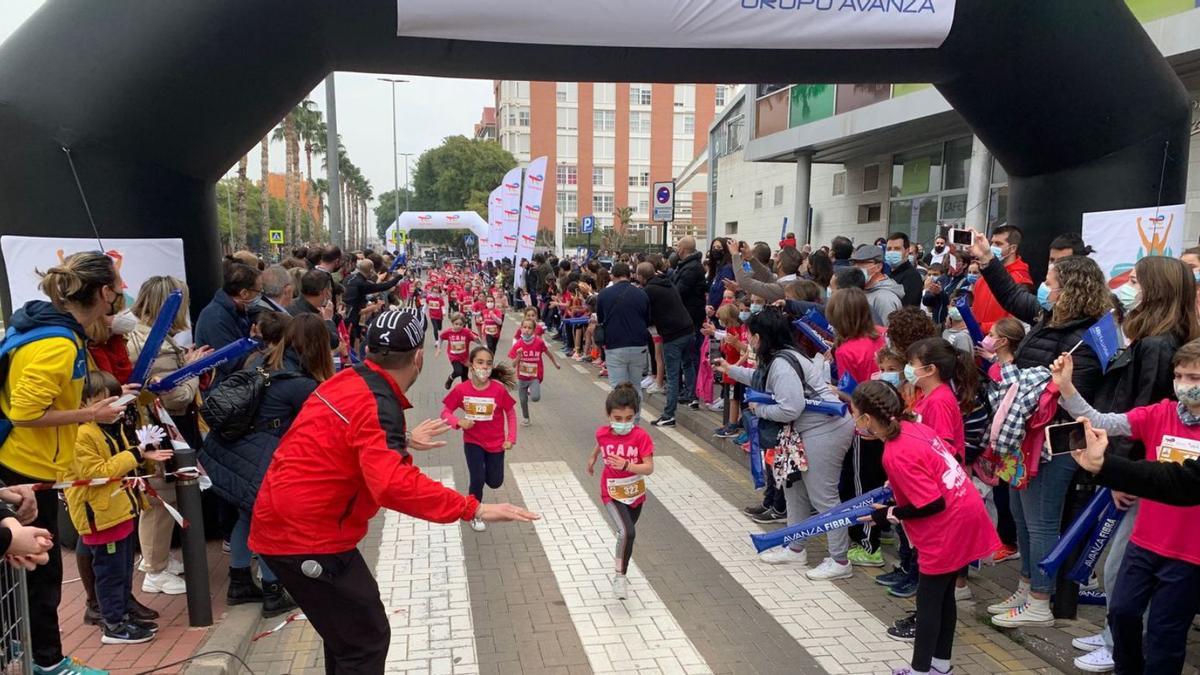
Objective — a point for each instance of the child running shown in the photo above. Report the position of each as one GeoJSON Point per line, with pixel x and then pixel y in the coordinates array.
{"type": "Point", "coordinates": [457, 338]}
{"type": "Point", "coordinates": [492, 322]}
{"type": "Point", "coordinates": [940, 509]}
{"type": "Point", "coordinates": [488, 421]}
{"type": "Point", "coordinates": [628, 458]}
{"type": "Point", "coordinates": [527, 352]}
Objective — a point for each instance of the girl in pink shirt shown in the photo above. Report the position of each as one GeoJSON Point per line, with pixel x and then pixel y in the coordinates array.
{"type": "Point", "coordinates": [934, 366]}
{"type": "Point", "coordinates": [492, 320]}
{"type": "Point", "coordinates": [488, 419]}
{"type": "Point", "coordinates": [457, 339]}
{"type": "Point", "coordinates": [628, 458]}
{"type": "Point", "coordinates": [526, 354]}
{"type": "Point", "coordinates": [940, 509]}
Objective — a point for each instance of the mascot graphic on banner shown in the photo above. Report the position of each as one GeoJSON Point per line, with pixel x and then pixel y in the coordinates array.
{"type": "Point", "coordinates": [1121, 238]}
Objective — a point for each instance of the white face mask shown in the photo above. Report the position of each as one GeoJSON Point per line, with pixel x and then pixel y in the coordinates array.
{"type": "Point", "coordinates": [123, 323]}
{"type": "Point", "coordinates": [482, 374]}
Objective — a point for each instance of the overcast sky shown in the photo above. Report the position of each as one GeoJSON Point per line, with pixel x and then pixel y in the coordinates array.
{"type": "Point", "coordinates": [428, 110]}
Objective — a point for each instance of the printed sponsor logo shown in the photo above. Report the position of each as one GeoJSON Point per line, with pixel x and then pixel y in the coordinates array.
{"type": "Point", "coordinates": [533, 208]}
{"type": "Point", "coordinates": [535, 177]}
{"type": "Point", "coordinates": [858, 6]}
{"type": "Point", "coordinates": [512, 186]}
{"type": "Point", "coordinates": [424, 216]}
{"type": "Point", "coordinates": [451, 218]}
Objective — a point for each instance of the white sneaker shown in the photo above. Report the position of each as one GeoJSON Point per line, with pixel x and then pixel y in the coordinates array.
{"type": "Point", "coordinates": [1096, 661]}
{"type": "Point", "coordinates": [962, 593]}
{"type": "Point", "coordinates": [1036, 613]}
{"type": "Point", "coordinates": [620, 586]}
{"type": "Point", "coordinates": [164, 582]}
{"type": "Point", "coordinates": [830, 569]}
{"type": "Point", "coordinates": [1017, 599]}
{"type": "Point", "coordinates": [174, 565]}
{"type": "Point", "coordinates": [1090, 643]}
{"type": "Point", "coordinates": [647, 382]}
{"type": "Point", "coordinates": [717, 405]}
{"type": "Point", "coordinates": [525, 422]}
{"type": "Point", "coordinates": [654, 389]}
{"type": "Point", "coordinates": [478, 525]}
{"type": "Point", "coordinates": [783, 555]}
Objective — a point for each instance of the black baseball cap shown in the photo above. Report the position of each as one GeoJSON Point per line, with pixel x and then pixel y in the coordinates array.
{"type": "Point", "coordinates": [397, 330]}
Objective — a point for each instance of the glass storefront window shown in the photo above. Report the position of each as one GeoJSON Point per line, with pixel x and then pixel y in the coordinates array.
{"type": "Point", "coordinates": [917, 217]}
{"type": "Point", "coordinates": [999, 175]}
{"type": "Point", "coordinates": [954, 208]}
{"type": "Point", "coordinates": [917, 171]}
{"type": "Point", "coordinates": [958, 164]}
{"type": "Point", "coordinates": [998, 207]}
{"type": "Point", "coordinates": [811, 102]}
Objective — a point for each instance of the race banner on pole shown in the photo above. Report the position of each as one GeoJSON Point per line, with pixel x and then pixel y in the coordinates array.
{"type": "Point", "coordinates": [510, 211]}
{"type": "Point", "coordinates": [531, 208]}
{"type": "Point", "coordinates": [1121, 238]}
{"type": "Point", "coordinates": [496, 224]}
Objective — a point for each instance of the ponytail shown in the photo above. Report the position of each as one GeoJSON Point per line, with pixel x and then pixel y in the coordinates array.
{"type": "Point", "coordinates": [77, 278]}
{"type": "Point", "coordinates": [953, 366]}
{"type": "Point", "coordinates": [502, 373]}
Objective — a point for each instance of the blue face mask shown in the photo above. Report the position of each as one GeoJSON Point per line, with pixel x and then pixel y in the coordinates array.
{"type": "Point", "coordinates": [1043, 296]}
{"type": "Point", "coordinates": [743, 316]}
{"type": "Point", "coordinates": [1129, 297]}
{"type": "Point", "coordinates": [893, 258]}
{"type": "Point", "coordinates": [910, 374]}
{"type": "Point", "coordinates": [621, 428]}
{"type": "Point", "coordinates": [891, 378]}
{"type": "Point", "coordinates": [526, 338]}
{"type": "Point", "coordinates": [1196, 275]}
{"type": "Point", "coordinates": [972, 278]}
{"type": "Point", "coordinates": [755, 308]}
{"type": "Point", "coordinates": [955, 314]}
{"type": "Point", "coordinates": [998, 252]}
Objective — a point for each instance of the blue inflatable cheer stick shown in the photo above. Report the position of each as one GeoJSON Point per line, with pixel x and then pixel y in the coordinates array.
{"type": "Point", "coordinates": [1105, 528]}
{"type": "Point", "coordinates": [230, 352]}
{"type": "Point", "coordinates": [158, 333]}
{"type": "Point", "coordinates": [1075, 533]}
{"type": "Point", "coordinates": [816, 319]}
{"type": "Point", "coordinates": [845, 514]}
{"type": "Point", "coordinates": [968, 317]}
{"type": "Point", "coordinates": [812, 335]}
{"type": "Point", "coordinates": [831, 408]}
{"type": "Point", "coordinates": [756, 454]}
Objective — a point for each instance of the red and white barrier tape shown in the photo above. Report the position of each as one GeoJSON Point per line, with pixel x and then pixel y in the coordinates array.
{"type": "Point", "coordinates": [136, 482]}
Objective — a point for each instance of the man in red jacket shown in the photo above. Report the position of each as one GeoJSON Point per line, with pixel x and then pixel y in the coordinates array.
{"type": "Point", "coordinates": [1006, 239]}
{"type": "Point", "coordinates": [344, 457]}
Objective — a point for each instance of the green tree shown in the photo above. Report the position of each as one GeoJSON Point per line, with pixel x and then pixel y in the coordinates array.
{"type": "Point", "coordinates": [385, 212]}
{"type": "Point", "coordinates": [459, 175]}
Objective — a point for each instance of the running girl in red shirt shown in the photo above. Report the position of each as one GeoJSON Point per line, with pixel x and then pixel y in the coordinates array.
{"type": "Point", "coordinates": [492, 320]}
{"type": "Point", "coordinates": [435, 307]}
{"type": "Point", "coordinates": [628, 458]}
{"type": "Point", "coordinates": [526, 353]}
{"type": "Point", "coordinates": [488, 420]}
{"type": "Point", "coordinates": [940, 509]}
{"type": "Point", "coordinates": [457, 339]}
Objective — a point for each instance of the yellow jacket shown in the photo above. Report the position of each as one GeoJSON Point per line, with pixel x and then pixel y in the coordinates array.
{"type": "Point", "coordinates": [43, 375]}
{"type": "Point", "coordinates": [99, 455]}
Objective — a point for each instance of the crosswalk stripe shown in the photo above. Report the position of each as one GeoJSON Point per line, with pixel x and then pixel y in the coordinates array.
{"type": "Point", "coordinates": [579, 368]}
{"type": "Point", "coordinates": [823, 619]}
{"type": "Point", "coordinates": [422, 577]}
{"type": "Point", "coordinates": [638, 634]}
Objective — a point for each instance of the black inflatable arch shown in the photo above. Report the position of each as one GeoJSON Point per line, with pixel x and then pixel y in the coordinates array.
{"type": "Point", "coordinates": [157, 99]}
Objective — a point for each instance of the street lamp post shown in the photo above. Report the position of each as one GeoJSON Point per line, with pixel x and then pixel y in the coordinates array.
{"type": "Point", "coordinates": [407, 187]}
{"type": "Point", "coordinates": [395, 168]}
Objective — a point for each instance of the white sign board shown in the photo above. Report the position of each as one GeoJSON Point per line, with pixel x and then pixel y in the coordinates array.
{"type": "Point", "coordinates": [137, 260]}
{"type": "Point", "coordinates": [663, 210]}
{"type": "Point", "coordinates": [704, 24]}
{"type": "Point", "coordinates": [1121, 238]}
{"type": "Point", "coordinates": [531, 206]}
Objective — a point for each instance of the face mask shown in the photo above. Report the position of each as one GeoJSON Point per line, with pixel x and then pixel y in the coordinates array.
{"type": "Point", "coordinates": [1188, 394]}
{"type": "Point", "coordinates": [743, 316]}
{"type": "Point", "coordinates": [866, 276]}
{"type": "Point", "coordinates": [893, 258]}
{"type": "Point", "coordinates": [998, 252]}
{"type": "Point", "coordinates": [988, 343]}
{"type": "Point", "coordinates": [1043, 296]}
{"type": "Point", "coordinates": [939, 249]}
{"type": "Point", "coordinates": [755, 308]}
{"type": "Point", "coordinates": [891, 378]}
{"type": "Point", "coordinates": [526, 338]}
{"type": "Point", "coordinates": [123, 323]}
{"type": "Point", "coordinates": [865, 433]}
{"type": "Point", "coordinates": [482, 373]}
{"type": "Point", "coordinates": [621, 428]}
{"type": "Point", "coordinates": [972, 278]}
{"type": "Point", "coordinates": [1129, 296]}
{"type": "Point", "coordinates": [491, 305]}
{"type": "Point", "coordinates": [955, 314]}
{"type": "Point", "coordinates": [910, 374]}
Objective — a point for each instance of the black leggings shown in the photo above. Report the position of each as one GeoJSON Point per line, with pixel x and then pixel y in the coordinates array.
{"type": "Point", "coordinates": [437, 328]}
{"type": "Point", "coordinates": [936, 615]}
{"type": "Point", "coordinates": [484, 468]}
{"type": "Point", "coordinates": [492, 341]}
{"type": "Point", "coordinates": [624, 517]}
{"type": "Point", "coordinates": [458, 369]}
{"type": "Point", "coordinates": [862, 472]}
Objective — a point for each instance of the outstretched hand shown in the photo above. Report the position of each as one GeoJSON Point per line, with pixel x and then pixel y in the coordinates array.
{"type": "Point", "coordinates": [505, 513]}
{"type": "Point", "coordinates": [422, 436]}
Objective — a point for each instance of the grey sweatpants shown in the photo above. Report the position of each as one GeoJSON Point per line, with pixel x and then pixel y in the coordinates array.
{"type": "Point", "coordinates": [528, 390]}
{"type": "Point", "coordinates": [825, 447]}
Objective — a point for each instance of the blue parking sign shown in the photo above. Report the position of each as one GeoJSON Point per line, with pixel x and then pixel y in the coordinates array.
{"type": "Point", "coordinates": [588, 224]}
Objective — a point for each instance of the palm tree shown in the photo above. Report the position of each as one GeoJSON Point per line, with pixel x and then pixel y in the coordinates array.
{"type": "Point", "coordinates": [239, 225]}
{"type": "Point", "coordinates": [320, 188]}
{"type": "Point", "coordinates": [264, 236]}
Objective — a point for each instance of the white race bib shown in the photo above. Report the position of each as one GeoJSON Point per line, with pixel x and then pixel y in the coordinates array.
{"type": "Point", "coordinates": [627, 490]}
{"type": "Point", "coordinates": [528, 369]}
{"type": "Point", "coordinates": [478, 408]}
{"type": "Point", "coordinates": [1176, 449]}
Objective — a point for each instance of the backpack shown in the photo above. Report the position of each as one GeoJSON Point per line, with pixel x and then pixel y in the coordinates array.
{"type": "Point", "coordinates": [231, 408]}
{"type": "Point", "coordinates": [14, 339]}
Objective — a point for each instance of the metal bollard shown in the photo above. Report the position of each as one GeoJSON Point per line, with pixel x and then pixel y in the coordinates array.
{"type": "Point", "coordinates": [195, 554]}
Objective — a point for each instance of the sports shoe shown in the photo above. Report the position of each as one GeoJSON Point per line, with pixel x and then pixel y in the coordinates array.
{"type": "Point", "coordinates": [906, 632]}
{"type": "Point", "coordinates": [962, 593]}
{"type": "Point", "coordinates": [1017, 599]}
{"type": "Point", "coordinates": [525, 422]}
{"type": "Point", "coordinates": [1096, 661]}
{"type": "Point", "coordinates": [753, 511]}
{"type": "Point", "coordinates": [125, 633]}
{"type": "Point", "coordinates": [655, 388]}
{"type": "Point", "coordinates": [1005, 553]}
{"type": "Point", "coordinates": [742, 438]}
{"type": "Point", "coordinates": [861, 557]}
{"type": "Point", "coordinates": [783, 555]}
{"type": "Point", "coordinates": [904, 589]}
{"type": "Point", "coordinates": [830, 569]}
{"type": "Point", "coordinates": [449, 382]}
{"type": "Point", "coordinates": [478, 525]}
{"type": "Point", "coordinates": [730, 431]}
{"type": "Point", "coordinates": [620, 586]}
{"type": "Point", "coordinates": [165, 583]}
{"type": "Point", "coordinates": [647, 382]}
{"type": "Point", "coordinates": [910, 619]}
{"type": "Point", "coordinates": [1034, 613]}
{"type": "Point", "coordinates": [68, 666]}
{"type": "Point", "coordinates": [1090, 643]}
{"type": "Point", "coordinates": [148, 625]}
{"type": "Point", "coordinates": [694, 404]}
{"type": "Point", "coordinates": [892, 578]}
{"type": "Point", "coordinates": [770, 516]}
{"type": "Point", "coordinates": [174, 565]}
{"type": "Point", "coordinates": [664, 421]}
{"type": "Point", "coordinates": [717, 405]}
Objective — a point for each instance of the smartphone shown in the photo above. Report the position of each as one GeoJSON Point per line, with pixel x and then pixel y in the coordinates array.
{"type": "Point", "coordinates": [124, 400]}
{"type": "Point", "coordinates": [960, 237]}
{"type": "Point", "coordinates": [1065, 438]}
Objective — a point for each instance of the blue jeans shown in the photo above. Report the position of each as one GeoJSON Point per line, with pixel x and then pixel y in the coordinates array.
{"type": "Point", "coordinates": [1170, 588]}
{"type": "Point", "coordinates": [678, 354]}
{"type": "Point", "coordinates": [625, 364]}
{"type": "Point", "coordinates": [1112, 564]}
{"type": "Point", "coordinates": [239, 549]}
{"type": "Point", "coordinates": [1038, 512]}
{"type": "Point", "coordinates": [113, 566]}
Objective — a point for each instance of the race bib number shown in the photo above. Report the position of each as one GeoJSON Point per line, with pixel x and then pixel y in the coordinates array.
{"type": "Point", "coordinates": [492, 329]}
{"type": "Point", "coordinates": [478, 408]}
{"type": "Point", "coordinates": [627, 490]}
{"type": "Point", "coordinates": [435, 304]}
{"type": "Point", "coordinates": [458, 346]}
{"type": "Point", "coordinates": [1176, 449]}
{"type": "Point", "coordinates": [528, 369]}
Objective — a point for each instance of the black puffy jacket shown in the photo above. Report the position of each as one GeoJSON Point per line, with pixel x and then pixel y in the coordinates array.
{"type": "Point", "coordinates": [237, 467]}
{"type": "Point", "coordinates": [689, 279]}
{"type": "Point", "coordinates": [1140, 375]}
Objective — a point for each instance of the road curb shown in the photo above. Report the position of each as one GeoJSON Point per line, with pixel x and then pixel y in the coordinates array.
{"type": "Point", "coordinates": [231, 635]}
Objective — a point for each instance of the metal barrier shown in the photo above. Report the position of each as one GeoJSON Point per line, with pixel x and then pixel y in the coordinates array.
{"type": "Point", "coordinates": [15, 640]}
